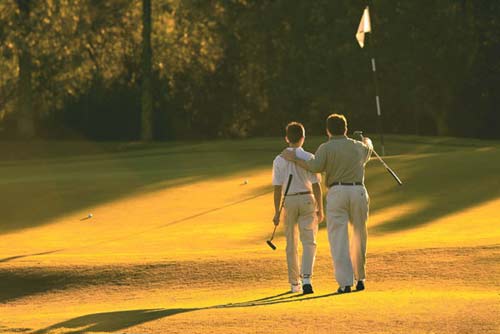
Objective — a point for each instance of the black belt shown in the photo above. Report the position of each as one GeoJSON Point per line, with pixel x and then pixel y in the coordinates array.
{"type": "Point", "coordinates": [346, 184]}
{"type": "Point", "coordinates": [301, 193]}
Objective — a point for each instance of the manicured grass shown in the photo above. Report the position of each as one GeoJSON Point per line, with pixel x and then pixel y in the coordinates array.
{"type": "Point", "coordinates": [177, 241]}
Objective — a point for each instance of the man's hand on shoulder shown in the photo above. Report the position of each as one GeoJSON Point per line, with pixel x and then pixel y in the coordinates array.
{"type": "Point", "coordinates": [288, 154]}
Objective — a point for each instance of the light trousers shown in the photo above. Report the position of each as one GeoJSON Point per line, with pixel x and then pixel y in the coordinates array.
{"type": "Point", "coordinates": [300, 222]}
{"type": "Point", "coordinates": [347, 205]}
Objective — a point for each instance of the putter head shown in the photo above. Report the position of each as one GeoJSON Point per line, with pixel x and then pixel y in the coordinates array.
{"type": "Point", "coordinates": [270, 244]}
{"type": "Point", "coordinates": [358, 135]}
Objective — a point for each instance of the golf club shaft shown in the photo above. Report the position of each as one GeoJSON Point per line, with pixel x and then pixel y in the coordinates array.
{"type": "Point", "coordinates": [398, 180]}
{"type": "Point", "coordinates": [286, 193]}
{"type": "Point", "coordinates": [282, 202]}
{"type": "Point", "coordinates": [388, 168]}
{"type": "Point", "coordinates": [272, 235]}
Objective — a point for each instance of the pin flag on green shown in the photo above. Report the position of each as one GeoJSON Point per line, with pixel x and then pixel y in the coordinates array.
{"type": "Point", "coordinates": [364, 27]}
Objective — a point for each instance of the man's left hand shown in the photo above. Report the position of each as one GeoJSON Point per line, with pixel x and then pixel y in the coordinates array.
{"type": "Point", "coordinates": [368, 142]}
{"type": "Point", "coordinates": [288, 155]}
{"type": "Point", "coordinates": [320, 216]}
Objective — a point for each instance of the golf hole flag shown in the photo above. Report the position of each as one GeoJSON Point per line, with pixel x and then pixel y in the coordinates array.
{"type": "Point", "coordinates": [364, 27]}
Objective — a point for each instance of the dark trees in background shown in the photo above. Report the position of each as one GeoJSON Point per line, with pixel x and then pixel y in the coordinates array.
{"type": "Point", "coordinates": [180, 69]}
{"type": "Point", "coordinates": [146, 86]}
{"type": "Point", "coordinates": [26, 113]}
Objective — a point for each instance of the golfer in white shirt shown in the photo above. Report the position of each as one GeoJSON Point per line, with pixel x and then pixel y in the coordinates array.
{"type": "Point", "coordinates": [303, 210]}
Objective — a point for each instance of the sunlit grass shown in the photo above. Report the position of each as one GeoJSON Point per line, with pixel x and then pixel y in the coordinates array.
{"type": "Point", "coordinates": [176, 228]}
{"type": "Point", "coordinates": [195, 202]}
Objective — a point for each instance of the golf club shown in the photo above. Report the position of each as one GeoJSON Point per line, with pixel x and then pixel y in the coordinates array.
{"type": "Point", "coordinates": [398, 180]}
{"type": "Point", "coordinates": [270, 241]}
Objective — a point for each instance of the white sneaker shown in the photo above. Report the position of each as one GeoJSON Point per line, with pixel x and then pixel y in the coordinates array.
{"type": "Point", "coordinates": [296, 288]}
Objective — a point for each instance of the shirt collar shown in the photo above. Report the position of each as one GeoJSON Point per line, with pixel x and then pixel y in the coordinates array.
{"type": "Point", "coordinates": [338, 137]}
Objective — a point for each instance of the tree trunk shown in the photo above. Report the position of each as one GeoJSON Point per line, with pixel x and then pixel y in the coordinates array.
{"type": "Point", "coordinates": [25, 119]}
{"type": "Point", "coordinates": [147, 54]}
{"type": "Point", "coordinates": [442, 124]}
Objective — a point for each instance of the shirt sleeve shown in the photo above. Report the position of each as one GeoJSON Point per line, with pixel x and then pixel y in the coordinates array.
{"type": "Point", "coordinates": [318, 163]}
{"type": "Point", "coordinates": [369, 148]}
{"type": "Point", "coordinates": [313, 177]}
{"type": "Point", "coordinates": [278, 175]}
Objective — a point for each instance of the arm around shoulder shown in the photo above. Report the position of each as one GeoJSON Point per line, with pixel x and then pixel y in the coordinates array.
{"type": "Point", "coordinates": [318, 163]}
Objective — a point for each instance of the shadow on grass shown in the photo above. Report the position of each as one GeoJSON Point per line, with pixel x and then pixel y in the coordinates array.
{"type": "Point", "coordinates": [437, 184]}
{"type": "Point", "coordinates": [57, 186]}
{"type": "Point", "coordinates": [12, 258]}
{"type": "Point", "coordinates": [50, 189]}
{"type": "Point", "coordinates": [443, 183]}
{"type": "Point", "coordinates": [5, 329]}
{"type": "Point", "coordinates": [52, 179]}
{"type": "Point", "coordinates": [120, 320]}
{"type": "Point", "coordinates": [112, 321]}
{"type": "Point", "coordinates": [256, 193]}
{"type": "Point", "coordinates": [14, 285]}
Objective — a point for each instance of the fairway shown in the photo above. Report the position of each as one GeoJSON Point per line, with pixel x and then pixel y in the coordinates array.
{"type": "Point", "coordinates": [176, 241]}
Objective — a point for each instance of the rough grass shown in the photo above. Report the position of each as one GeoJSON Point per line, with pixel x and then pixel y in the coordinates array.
{"type": "Point", "coordinates": [177, 241]}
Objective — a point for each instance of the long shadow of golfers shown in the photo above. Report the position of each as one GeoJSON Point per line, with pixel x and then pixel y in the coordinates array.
{"type": "Point", "coordinates": [119, 320]}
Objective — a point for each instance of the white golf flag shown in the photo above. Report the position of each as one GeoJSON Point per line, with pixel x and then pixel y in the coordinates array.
{"type": "Point", "coordinates": [364, 27]}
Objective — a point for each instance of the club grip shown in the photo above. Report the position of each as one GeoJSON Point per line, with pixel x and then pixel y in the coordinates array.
{"type": "Point", "coordinates": [286, 192]}
{"type": "Point", "coordinates": [394, 176]}
{"type": "Point", "coordinates": [288, 184]}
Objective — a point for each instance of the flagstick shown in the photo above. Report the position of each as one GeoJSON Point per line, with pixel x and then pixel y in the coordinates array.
{"type": "Point", "coordinates": [380, 125]}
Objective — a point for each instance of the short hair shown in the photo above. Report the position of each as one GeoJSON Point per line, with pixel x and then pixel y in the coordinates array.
{"type": "Point", "coordinates": [336, 124]}
{"type": "Point", "coordinates": [295, 132]}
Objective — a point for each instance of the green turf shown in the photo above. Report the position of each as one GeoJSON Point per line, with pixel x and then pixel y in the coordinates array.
{"type": "Point", "coordinates": [133, 272]}
{"type": "Point", "coordinates": [43, 180]}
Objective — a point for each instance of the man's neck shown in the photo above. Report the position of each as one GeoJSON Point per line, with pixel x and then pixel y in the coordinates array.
{"type": "Point", "coordinates": [337, 136]}
{"type": "Point", "coordinates": [294, 145]}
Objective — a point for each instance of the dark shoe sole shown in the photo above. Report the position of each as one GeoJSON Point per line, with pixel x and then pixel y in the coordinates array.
{"type": "Point", "coordinates": [307, 289]}
{"type": "Point", "coordinates": [360, 286]}
{"type": "Point", "coordinates": [347, 289]}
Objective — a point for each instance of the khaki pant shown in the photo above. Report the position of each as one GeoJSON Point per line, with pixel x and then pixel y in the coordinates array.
{"type": "Point", "coordinates": [300, 220]}
{"type": "Point", "coordinates": [347, 204]}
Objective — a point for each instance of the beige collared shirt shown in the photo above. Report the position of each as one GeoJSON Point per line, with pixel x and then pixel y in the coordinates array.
{"type": "Point", "coordinates": [342, 159]}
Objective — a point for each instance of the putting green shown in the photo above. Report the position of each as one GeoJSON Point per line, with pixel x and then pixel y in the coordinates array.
{"type": "Point", "coordinates": [177, 241]}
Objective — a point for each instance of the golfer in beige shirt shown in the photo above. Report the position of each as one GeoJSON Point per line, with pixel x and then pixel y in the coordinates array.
{"type": "Point", "coordinates": [303, 208]}
{"type": "Point", "coordinates": [343, 160]}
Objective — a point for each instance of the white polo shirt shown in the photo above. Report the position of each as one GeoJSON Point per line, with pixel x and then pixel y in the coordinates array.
{"type": "Point", "coordinates": [302, 179]}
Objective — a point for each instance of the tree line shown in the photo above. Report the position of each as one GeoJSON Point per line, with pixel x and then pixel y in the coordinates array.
{"type": "Point", "coordinates": [183, 69]}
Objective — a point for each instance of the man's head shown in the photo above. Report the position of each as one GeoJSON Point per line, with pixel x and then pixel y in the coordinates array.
{"type": "Point", "coordinates": [295, 133]}
{"type": "Point", "coordinates": [336, 125]}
